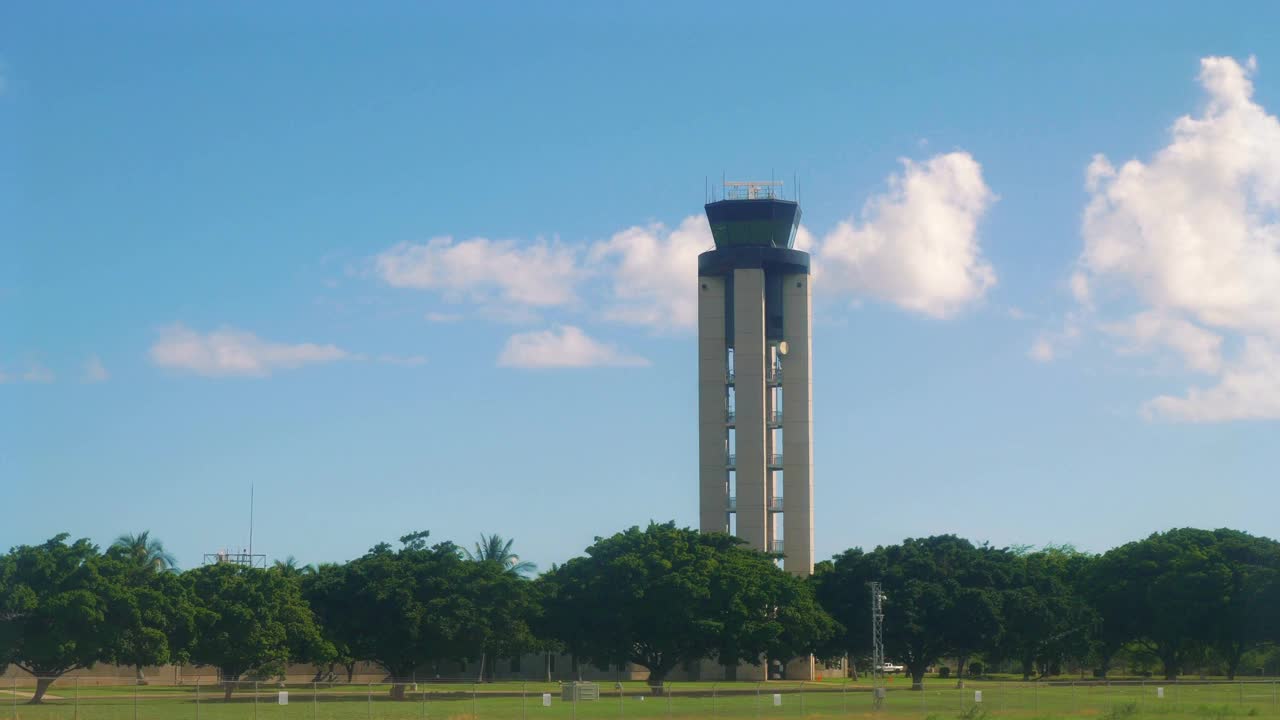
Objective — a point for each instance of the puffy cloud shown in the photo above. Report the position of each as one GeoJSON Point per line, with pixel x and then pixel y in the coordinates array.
{"type": "Point", "coordinates": [1194, 235]}
{"type": "Point", "coordinates": [563, 347]}
{"type": "Point", "coordinates": [1248, 388]}
{"type": "Point", "coordinates": [94, 370]}
{"type": "Point", "coordinates": [1200, 349]}
{"type": "Point", "coordinates": [37, 373]}
{"type": "Point", "coordinates": [917, 244]}
{"type": "Point", "coordinates": [539, 274]}
{"type": "Point", "coordinates": [653, 273]}
{"type": "Point", "coordinates": [231, 352]}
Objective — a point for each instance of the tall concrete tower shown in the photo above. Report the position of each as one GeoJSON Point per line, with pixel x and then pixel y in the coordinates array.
{"type": "Point", "coordinates": [755, 396]}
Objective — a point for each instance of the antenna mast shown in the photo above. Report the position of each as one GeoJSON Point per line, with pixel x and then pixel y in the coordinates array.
{"type": "Point", "coordinates": [877, 645]}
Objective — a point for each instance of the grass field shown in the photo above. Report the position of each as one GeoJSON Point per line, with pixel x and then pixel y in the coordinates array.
{"type": "Point", "coordinates": [941, 700]}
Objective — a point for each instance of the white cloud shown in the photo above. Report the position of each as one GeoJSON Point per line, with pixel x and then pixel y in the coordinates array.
{"type": "Point", "coordinates": [1248, 389]}
{"type": "Point", "coordinates": [1193, 235]}
{"type": "Point", "coordinates": [37, 373]}
{"type": "Point", "coordinates": [917, 244]}
{"type": "Point", "coordinates": [1042, 349]}
{"type": "Point", "coordinates": [1047, 346]}
{"type": "Point", "coordinates": [653, 273]}
{"type": "Point", "coordinates": [563, 347]}
{"type": "Point", "coordinates": [94, 370]}
{"type": "Point", "coordinates": [1200, 349]}
{"type": "Point", "coordinates": [231, 352]}
{"type": "Point", "coordinates": [403, 360]}
{"type": "Point", "coordinates": [539, 274]}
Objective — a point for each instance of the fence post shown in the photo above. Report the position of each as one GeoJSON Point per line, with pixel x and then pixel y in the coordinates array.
{"type": "Point", "coordinates": [135, 698]}
{"type": "Point", "coordinates": [801, 698]}
{"type": "Point", "coordinates": [713, 699]}
{"type": "Point", "coordinates": [76, 712]}
{"type": "Point", "coordinates": [474, 714]}
{"type": "Point", "coordinates": [315, 700]}
{"type": "Point", "coordinates": [621, 710]}
{"type": "Point", "coordinates": [369, 703]}
{"type": "Point", "coordinates": [197, 697]}
{"type": "Point", "coordinates": [844, 697]}
{"type": "Point", "coordinates": [757, 699]}
{"type": "Point", "coordinates": [255, 700]}
{"type": "Point", "coordinates": [524, 701]}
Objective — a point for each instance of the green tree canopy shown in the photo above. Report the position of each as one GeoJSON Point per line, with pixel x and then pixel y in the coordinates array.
{"type": "Point", "coordinates": [406, 608]}
{"type": "Point", "coordinates": [250, 619]}
{"type": "Point", "coordinates": [664, 596]}
{"type": "Point", "coordinates": [58, 610]}
{"type": "Point", "coordinates": [927, 610]}
{"type": "Point", "coordinates": [1045, 620]}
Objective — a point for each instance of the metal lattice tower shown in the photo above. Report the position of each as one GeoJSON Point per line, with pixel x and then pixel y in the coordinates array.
{"type": "Point", "coordinates": [877, 644]}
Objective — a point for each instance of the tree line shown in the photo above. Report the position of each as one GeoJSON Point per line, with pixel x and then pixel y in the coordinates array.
{"type": "Point", "coordinates": [661, 597]}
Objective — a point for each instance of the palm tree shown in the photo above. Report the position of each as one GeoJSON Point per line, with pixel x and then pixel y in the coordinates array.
{"type": "Point", "coordinates": [146, 552]}
{"type": "Point", "coordinates": [290, 567]}
{"type": "Point", "coordinates": [495, 548]}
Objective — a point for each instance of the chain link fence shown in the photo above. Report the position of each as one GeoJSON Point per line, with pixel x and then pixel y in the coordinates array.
{"type": "Point", "coordinates": [82, 699]}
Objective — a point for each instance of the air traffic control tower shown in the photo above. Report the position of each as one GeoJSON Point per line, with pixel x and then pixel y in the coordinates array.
{"type": "Point", "coordinates": [755, 396]}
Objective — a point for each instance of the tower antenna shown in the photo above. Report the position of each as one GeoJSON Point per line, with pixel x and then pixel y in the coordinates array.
{"type": "Point", "coordinates": [877, 646]}
{"type": "Point", "coordinates": [251, 519]}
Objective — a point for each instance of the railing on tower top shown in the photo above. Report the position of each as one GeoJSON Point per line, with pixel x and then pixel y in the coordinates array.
{"type": "Point", "coordinates": [775, 460]}
{"type": "Point", "coordinates": [753, 190]}
{"type": "Point", "coordinates": [776, 547]}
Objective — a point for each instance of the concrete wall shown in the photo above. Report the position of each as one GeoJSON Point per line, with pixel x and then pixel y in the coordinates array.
{"type": "Point", "coordinates": [797, 425]}
{"type": "Point", "coordinates": [713, 477]}
{"type": "Point", "coordinates": [749, 400]}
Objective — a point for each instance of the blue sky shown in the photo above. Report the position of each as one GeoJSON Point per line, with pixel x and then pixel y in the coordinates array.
{"type": "Point", "coordinates": [429, 266]}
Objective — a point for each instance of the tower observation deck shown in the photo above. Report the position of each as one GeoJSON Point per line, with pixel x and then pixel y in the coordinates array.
{"type": "Point", "coordinates": [755, 395]}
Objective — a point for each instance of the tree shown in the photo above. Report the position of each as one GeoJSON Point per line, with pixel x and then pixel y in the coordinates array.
{"type": "Point", "coordinates": [494, 548]}
{"type": "Point", "coordinates": [923, 580]}
{"type": "Point", "coordinates": [58, 612]}
{"type": "Point", "coordinates": [249, 619]}
{"type": "Point", "coordinates": [161, 616]}
{"type": "Point", "coordinates": [976, 624]}
{"type": "Point", "coordinates": [1167, 591]}
{"type": "Point", "coordinates": [1249, 619]}
{"type": "Point", "coordinates": [290, 567]}
{"type": "Point", "coordinates": [1045, 620]}
{"type": "Point", "coordinates": [401, 608]}
{"type": "Point", "coordinates": [322, 590]}
{"type": "Point", "coordinates": [664, 595]}
{"type": "Point", "coordinates": [499, 604]}
{"type": "Point", "coordinates": [145, 552]}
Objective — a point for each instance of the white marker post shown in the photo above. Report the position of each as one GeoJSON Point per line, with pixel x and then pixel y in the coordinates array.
{"type": "Point", "coordinates": [977, 696]}
{"type": "Point", "coordinates": [777, 699]}
{"type": "Point", "coordinates": [1160, 693]}
{"type": "Point", "coordinates": [283, 697]}
{"type": "Point", "coordinates": [546, 699]}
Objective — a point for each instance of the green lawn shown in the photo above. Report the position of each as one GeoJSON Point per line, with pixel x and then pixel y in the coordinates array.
{"type": "Point", "coordinates": [516, 701]}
